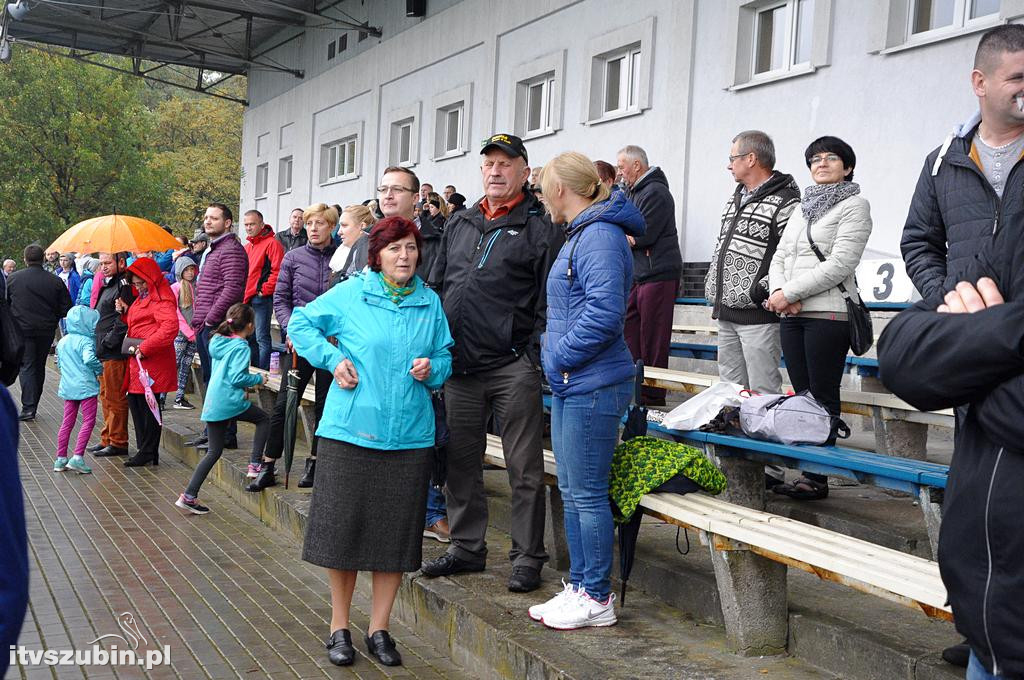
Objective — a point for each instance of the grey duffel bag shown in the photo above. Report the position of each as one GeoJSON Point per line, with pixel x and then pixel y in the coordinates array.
{"type": "Point", "coordinates": [790, 419]}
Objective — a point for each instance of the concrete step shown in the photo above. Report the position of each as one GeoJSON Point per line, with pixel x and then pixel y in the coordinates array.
{"type": "Point", "coordinates": [672, 622]}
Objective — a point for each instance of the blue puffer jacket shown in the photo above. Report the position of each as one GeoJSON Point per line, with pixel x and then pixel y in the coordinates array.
{"type": "Point", "coordinates": [388, 409]}
{"type": "Point", "coordinates": [583, 348]}
{"type": "Point", "coordinates": [229, 376]}
{"type": "Point", "coordinates": [76, 356]}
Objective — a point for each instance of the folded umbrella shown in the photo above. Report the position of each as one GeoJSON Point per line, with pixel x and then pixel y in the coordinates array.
{"type": "Point", "coordinates": [636, 416]}
{"type": "Point", "coordinates": [147, 389]}
{"type": "Point", "coordinates": [636, 426]}
{"type": "Point", "coordinates": [291, 417]}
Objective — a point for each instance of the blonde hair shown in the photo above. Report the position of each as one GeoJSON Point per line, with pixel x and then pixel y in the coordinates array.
{"type": "Point", "coordinates": [329, 213]}
{"type": "Point", "coordinates": [361, 214]}
{"type": "Point", "coordinates": [577, 174]}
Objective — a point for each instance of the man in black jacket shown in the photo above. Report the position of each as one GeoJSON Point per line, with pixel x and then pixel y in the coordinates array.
{"type": "Point", "coordinates": [968, 348]}
{"type": "Point", "coordinates": [657, 264]}
{"type": "Point", "coordinates": [974, 182]}
{"type": "Point", "coordinates": [111, 330]}
{"type": "Point", "coordinates": [492, 273]}
{"type": "Point", "coordinates": [39, 300]}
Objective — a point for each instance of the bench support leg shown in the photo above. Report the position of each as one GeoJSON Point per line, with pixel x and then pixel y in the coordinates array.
{"type": "Point", "coordinates": [197, 381]}
{"type": "Point", "coordinates": [306, 415]}
{"type": "Point", "coordinates": [900, 438]}
{"type": "Point", "coordinates": [554, 531]}
{"type": "Point", "coordinates": [931, 505]}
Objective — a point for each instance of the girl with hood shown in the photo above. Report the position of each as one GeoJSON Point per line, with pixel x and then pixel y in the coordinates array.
{"type": "Point", "coordinates": [89, 269]}
{"type": "Point", "coordinates": [79, 386]}
{"type": "Point", "coordinates": [184, 289]}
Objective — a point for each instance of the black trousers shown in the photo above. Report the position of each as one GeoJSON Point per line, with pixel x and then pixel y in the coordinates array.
{"type": "Point", "coordinates": [275, 445]}
{"type": "Point", "coordinates": [147, 429]}
{"type": "Point", "coordinates": [218, 431]}
{"type": "Point", "coordinates": [815, 352]}
{"type": "Point", "coordinates": [33, 370]}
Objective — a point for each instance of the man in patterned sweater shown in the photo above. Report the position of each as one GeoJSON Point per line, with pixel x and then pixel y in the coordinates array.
{"type": "Point", "coordinates": [754, 218]}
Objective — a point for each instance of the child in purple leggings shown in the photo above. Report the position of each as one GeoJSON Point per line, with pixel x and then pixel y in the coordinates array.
{"type": "Point", "coordinates": [79, 385]}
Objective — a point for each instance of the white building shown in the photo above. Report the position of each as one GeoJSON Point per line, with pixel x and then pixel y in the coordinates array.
{"type": "Point", "coordinates": [677, 77]}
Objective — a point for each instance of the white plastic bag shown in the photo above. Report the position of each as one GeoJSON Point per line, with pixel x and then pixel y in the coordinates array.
{"type": "Point", "coordinates": [701, 408]}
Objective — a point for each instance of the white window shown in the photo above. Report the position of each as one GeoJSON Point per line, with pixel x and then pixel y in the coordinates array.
{"type": "Point", "coordinates": [451, 126]}
{"type": "Point", "coordinates": [452, 137]}
{"type": "Point", "coordinates": [284, 175]}
{"type": "Point", "coordinates": [338, 160]}
{"type": "Point", "coordinates": [935, 15]}
{"type": "Point", "coordinates": [782, 36]}
{"type": "Point", "coordinates": [401, 143]}
{"type": "Point", "coordinates": [903, 24]}
{"type": "Point", "coordinates": [618, 77]}
{"type": "Point", "coordinates": [261, 180]}
{"type": "Point", "coordinates": [537, 105]}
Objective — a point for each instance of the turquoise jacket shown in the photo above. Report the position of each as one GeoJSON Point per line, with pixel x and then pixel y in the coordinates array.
{"type": "Point", "coordinates": [76, 356]}
{"type": "Point", "coordinates": [229, 376]}
{"type": "Point", "coordinates": [388, 409]}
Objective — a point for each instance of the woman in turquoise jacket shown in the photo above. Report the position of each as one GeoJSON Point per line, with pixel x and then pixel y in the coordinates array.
{"type": "Point", "coordinates": [225, 400]}
{"type": "Point", "coordinates": [391, 347]}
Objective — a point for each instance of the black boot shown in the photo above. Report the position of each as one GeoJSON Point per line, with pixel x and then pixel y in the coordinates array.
{"type": "Point", "coordinates": [264, 479]}
{"type": "Point", "coordinates": [307, 476]}
{"type": "Point", "coordinates": [140, 459]}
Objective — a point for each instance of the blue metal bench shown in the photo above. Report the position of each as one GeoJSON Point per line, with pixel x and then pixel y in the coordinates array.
{"type": "Point", "coordinates": [875, 306]}
{"type": "Point", "coordinates": [865, 366]}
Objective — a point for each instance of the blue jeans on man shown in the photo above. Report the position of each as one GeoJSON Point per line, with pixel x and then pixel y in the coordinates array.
{"type": "Point", "coordinates": [976, 671]}
{"type": "Point", "coordinates": [259, 341]}
{"type": "Point", "coordinates": [584, 432]}
{"type": "Point", "coordinates": [436, 507]}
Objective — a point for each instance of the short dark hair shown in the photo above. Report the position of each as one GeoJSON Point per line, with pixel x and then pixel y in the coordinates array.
{"type": "Point", "coordinates": [450, 186]}
{"type": "Point", "coordinates": [257, 213]}
{"type": "Point", "coordinates": [34, 254]}
{"type": "Point", "coordinates": [996, 41]}
{"type": "Point", "coordinates": [399, 168]}
{"type": "Point", "coordinates": [605, 170]}
{"type": "Point", "coordinates": [225, 211]}
{"type": "Point", "coordinates": [389, 230]}
{"type": "Point", "coordinates": [239, 315]}
{"type": "Point", "coordinates": [834, 145]}
{"type": "Point", "coordinates": [759, 144]}
{"type": "Point", "coordinates": [301, 210]}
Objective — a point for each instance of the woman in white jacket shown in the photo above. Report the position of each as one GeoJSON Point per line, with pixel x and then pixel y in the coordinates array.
{"type": "Point", "coordinates": [804, 289]}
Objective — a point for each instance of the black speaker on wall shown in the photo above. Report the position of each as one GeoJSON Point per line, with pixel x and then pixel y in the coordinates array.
{"type": "Point", "coordinates": [415, 8]}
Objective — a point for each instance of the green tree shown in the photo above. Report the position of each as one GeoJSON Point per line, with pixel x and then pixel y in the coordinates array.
{"type": "Point", "coordinates": [75, 144]}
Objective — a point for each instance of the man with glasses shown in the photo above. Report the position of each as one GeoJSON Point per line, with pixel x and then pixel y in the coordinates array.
{"type": "Point", "coordinates": [492, 273]}
{"type": "Point", "coordinates": [737, 282]}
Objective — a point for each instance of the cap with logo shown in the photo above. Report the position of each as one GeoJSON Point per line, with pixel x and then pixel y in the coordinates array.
{"type": "Point", "coordinates": [510, 144]}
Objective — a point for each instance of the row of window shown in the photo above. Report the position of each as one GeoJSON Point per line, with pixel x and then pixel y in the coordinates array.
{"type": "Point", "coordinates": [336, 47]}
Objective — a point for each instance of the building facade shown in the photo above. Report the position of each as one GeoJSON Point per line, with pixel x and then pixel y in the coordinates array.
{"type": "Point", "coordinates": [678, 77]}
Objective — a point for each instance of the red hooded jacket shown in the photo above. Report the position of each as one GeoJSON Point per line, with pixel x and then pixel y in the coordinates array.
{"type": "Point", "coordinates": [153, 318]}
{"type": "Point", "coordinates": [265, 253]}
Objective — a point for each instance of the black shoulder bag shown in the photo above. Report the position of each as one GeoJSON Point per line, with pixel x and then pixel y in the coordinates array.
{"type": "Point", "coordinates": [862, 336]}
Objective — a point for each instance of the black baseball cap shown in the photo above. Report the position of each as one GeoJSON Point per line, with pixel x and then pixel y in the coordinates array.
{"type": "Point", "coordinates": [510, 144]}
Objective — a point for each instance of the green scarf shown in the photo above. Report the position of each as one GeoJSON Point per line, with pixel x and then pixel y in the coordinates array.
{"type": "Point", "coordinates": [394, 291]}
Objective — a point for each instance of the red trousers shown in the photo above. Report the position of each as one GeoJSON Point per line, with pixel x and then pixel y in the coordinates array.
{"type": "Point", "coordinates": [649, 328]}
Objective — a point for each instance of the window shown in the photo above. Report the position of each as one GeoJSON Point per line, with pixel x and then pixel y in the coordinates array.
{"type": "Point", "coordinates": [401, 143]}
{"type": "Point", "coordinates": [363, 35]}
{"type": "Point", "coordinates": [537, 106]}
{"type": "Point", "coordinates": [782, 36]}
{"type": "Point", "coordinates": [284, 175]}
{"type": "Point", "coordinates": [343, 43]}
{"type": "Point", "coordinates": [331, 46]}
{"type": "Point", "coordinates": [261, 180]}
{"type": "Point", "coordinates": [618, 77]}
{"type": "Point", "coordinates": [338, 160]}
{"type": "Point", "coordinates": [904, 24]}
{"type": "Point", "coordinates": [451, 116]}
{"type": "Point", "coordinates": [452, 129]}
{"type": "Point", "coordinates": [934, 15]}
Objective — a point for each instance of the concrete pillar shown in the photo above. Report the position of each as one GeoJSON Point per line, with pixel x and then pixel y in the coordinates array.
{"type": "Point", "coordinates": [752, 588]}
{"type": "Point", "coordinates": [930, 501]}
{"type": "Point", "coordinates": [899, 437]}
{"type": "Point", "coordinates": [554, 531]}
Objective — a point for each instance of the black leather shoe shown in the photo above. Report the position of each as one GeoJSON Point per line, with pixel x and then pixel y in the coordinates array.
{"type": "Point", "coordinates": [524, 579]}
{"type": "Point", "coordinates": [957, 655]}
{"type": "Point", "coordinates": [382, 647]}
{"type": "Point", "coordinates": [140, 459]}
{"type": "Point", "coordinates": [308, 474]}
{"type": "Point", "coordinates": [94, 448]}
{"type": "Point", "coordinates": [197, 442]}
{"type": "Point", "coordinates": [448, 564]}
{"type": "Point", "coordinates": [27, 415]}
{"type": "Point", "coordinates": [339, 648]}
{"type": "Point", "coordinates": [111, 451]}
{"type": "Point", "coordinates": [263, 480]}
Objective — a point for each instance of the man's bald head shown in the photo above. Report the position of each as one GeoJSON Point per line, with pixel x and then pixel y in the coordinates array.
{"type": "Point", "coordinates": [995, 43]}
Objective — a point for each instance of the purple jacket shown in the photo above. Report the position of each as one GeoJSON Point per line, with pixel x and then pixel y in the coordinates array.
{"type": "Point", "coordinates": [221, 282]}
{"type": "Point", "coordinates": [305, 275]}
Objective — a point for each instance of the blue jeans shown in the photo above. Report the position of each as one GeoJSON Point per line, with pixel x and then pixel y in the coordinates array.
{"type": "Point", "coordinates": [263, 306]}
{"type": "Point", "coordinates": [584, 431]}
{"type": "Point", "coordinates": [976, 671]}
{"type": "Point", "coordinates": [436, 507]}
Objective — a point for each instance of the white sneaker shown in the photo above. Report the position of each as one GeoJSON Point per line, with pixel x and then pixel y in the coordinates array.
{"type": "Point", "coordinates": [579, 611]}
{"type": "Point", "coordinates": [537, 611]}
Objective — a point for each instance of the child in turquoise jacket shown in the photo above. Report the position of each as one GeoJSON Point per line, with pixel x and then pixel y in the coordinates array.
{"type": "Point", "coordinates": [79, 385]}
{"type": "Point", "coordinates": [225, 400]}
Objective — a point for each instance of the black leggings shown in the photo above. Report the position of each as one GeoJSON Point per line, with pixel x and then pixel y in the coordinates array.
{"type": "Point", "coordinates": [217, 430]}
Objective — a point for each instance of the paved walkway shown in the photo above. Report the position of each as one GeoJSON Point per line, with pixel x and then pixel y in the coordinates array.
{"type": "Point", "coordinates": [227, 595]}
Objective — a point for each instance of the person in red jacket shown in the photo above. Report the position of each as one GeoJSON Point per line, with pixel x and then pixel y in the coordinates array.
{"type": "Point", "coordinates": [265, 253]}
{"type": "Point", "coordinates": [153, 320]}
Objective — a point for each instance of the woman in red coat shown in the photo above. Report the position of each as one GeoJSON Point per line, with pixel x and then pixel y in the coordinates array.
{"type": "Point", "coordinates": [153, 319]}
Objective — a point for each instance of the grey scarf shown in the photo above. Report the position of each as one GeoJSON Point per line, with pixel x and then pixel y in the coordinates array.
{"type": "Point", "coordinates": [820, 198]}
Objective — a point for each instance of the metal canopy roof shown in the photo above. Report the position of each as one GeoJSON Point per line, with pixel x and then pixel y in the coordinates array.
{"type": "Point", "coordinates": [224, 36]}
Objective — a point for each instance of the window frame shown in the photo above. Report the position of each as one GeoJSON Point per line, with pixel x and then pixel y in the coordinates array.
{"type": "Point", "coordinates": [285, 167]}
{"type": "Point", "coordinates": [341, 138]}
{"type": "Point", "coordinates": [606, 48]}
{"type": "Point", "coordinates": [744, 15]}
{"type": "Point", "coordinates": [262, 180]}
{"type": "Point", "coordinates": [961, 21]}
{"type": "Point", "coordinates": [549, 68]}
{"type": "Point", "coordinates": [457, 99]}
{"type": "Point", "coordinates": [893, 23]}
{"type": "Point", "coordinates": [399, 118]}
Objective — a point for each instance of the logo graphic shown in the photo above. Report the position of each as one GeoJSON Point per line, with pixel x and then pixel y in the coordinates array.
{"type": "Point", "coordinates": [131, 629]}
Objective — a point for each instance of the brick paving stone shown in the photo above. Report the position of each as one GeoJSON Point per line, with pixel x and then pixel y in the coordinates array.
{"type": "Point", "coordinates": [230, 596]}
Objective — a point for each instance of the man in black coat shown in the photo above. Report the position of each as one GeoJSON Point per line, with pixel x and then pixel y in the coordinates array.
{"type": "Point", "coordinates": [657, 264]}
{"type": "Point", "coordinates": [968, 348]}
{"type": "Point", "coordinates": [39, 300]}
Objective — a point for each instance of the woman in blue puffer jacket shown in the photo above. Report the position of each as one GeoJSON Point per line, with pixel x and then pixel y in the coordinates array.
{"type": "Point", "coordinates": [590, 370]}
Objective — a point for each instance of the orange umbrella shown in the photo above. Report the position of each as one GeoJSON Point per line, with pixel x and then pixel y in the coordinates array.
{"type": "Point", "coordinates": [113, 234]}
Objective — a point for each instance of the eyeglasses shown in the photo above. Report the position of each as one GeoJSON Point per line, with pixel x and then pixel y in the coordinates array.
{"type": "Point", "coordinates": [739, 155]}
{"type": "Point", "coordinates": [394, 189]}
{"type": "Point", "coordinates": [824, 158]}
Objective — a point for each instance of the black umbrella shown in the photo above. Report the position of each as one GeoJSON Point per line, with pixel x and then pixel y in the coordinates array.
{"type": "Point", "coordinates": [636, 426]}
{"type": "Point", "coordinates": [291, 417]}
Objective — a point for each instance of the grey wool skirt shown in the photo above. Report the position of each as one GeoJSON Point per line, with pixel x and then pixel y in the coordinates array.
{"type": "Point", "coordinates": [368, 508]}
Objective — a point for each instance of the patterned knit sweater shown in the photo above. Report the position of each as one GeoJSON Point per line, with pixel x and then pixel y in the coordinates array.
{"type": "Point", "coordinates": [737, 280]}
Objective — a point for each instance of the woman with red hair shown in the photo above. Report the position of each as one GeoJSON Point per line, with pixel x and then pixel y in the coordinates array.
{"type": "Point", "coordinates": [377, 431]}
